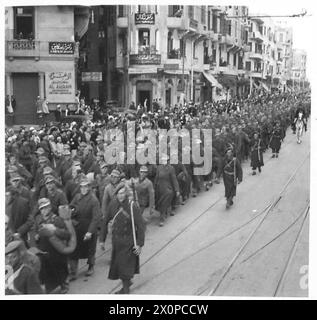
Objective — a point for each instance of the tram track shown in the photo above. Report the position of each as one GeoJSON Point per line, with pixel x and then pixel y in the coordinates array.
{"type": "Point", "coordinates": [238, 253]}
{"type": "Point", "coordinates": [208, 245]}
{"type": "Point", "coordinates": [185, 228]}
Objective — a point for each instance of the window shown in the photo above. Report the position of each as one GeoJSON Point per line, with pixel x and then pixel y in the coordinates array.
{"type": "Point", "coordinates": [144, 40]}
{"type": "Point", "coordinates": [214, 23]}
{"type": "Point", "coordinates": [228, 58]}
{"type": "Point", "coordinates": [170, 45]}
{"type": "Point", "coordinates": [205, 54]}
{"type": "Point", "coordinates": [229, 27]}
{"type": "Point", "coordinates": [203, 14]}
{"type": "Point", "coordinates": [235, 59]}
{"type": "Point", "coordinates": [248, 65]}
{"type": "Point", "coordinates": [121, 11]}
{"type": "Point", "coordinates": [235, 29]}
{"type": "Point", "coordinates": [175, 11]}
{"type": "Point", "coordinates": [240, 62]}
{"type": "Point", "coordinates": [191, 12]}
{"type": "Point", "coordinates": [182, 45]}
{"type": "Point", "coordinates": [281, 38]}
{"type": "Point", "coordinates": [24, 23]}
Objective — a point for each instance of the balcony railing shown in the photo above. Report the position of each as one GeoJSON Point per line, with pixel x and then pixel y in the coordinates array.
{"type": "Point", "coordinates": [256, 35]}
{"type": "Point", "coordinates": [174, 54]}
{"type": "Point", "coordinates": [147, 50]}
{"type": "Point", "coordinates": [256, 55]}
{"type": "Point", "coordinates": [28, 48]}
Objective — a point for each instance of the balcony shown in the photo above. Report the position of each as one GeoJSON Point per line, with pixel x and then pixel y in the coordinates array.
{"type": "Point", "coordinates": [228, 40]}
{"type": "Point", "coordinates": [22, 48]}
{"type": "Point", "coordinates": [257, 73]}
{"type": "Point", "coordinates": [175, 22]}
{"type": "Point", "coordinates": [226, 69]}
{"type": "Point", "coordinates": [246, 48]}
{"type": "Point", "coordinates": [256, 55]}
{"type": "Point", "coordinates": [34, 48]}
{"type": "Point", "coordinates": [145, 59]}
{"type": "Point", "coordinates": [174, 54]}
{"type": "Point", "coordinates": [256, 35]}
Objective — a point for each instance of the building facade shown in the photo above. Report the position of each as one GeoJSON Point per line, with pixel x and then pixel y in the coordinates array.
{"type": "Point", "coordinates": [142, 53]}
{"type": "Point", "coordinates": [299, 68]}
{"type": "Point", "coordinates": [41, 56]}
{"type": "Point", "coordinates": [174, 54]}
{"type": "Point", "coordinates": [97, 57]}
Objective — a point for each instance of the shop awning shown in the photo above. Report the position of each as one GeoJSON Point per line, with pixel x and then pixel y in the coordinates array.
{"type": "Point", "coordinates": [212, 80]}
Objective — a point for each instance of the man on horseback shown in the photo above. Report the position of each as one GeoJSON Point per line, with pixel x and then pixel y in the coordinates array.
{"type": "Point", "coordinates": [300, 122]}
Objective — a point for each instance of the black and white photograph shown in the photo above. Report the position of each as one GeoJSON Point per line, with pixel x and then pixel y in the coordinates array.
{"type": "Point", "coordinates": [154, 149]}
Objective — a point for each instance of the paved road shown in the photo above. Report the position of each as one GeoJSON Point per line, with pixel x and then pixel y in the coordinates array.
{"type": "Point", "coordinates": [192, 252]}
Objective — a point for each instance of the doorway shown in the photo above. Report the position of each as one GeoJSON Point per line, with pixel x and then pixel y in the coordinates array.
{"type": "Point", "coordinates": [144, 91]}
{"type": "Point", "coordinates": [25, 90]}
{"type": "Point", "coordinates": [168, 95]}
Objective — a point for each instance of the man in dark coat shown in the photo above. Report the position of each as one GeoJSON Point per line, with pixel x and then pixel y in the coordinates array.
{"type": "Point", "coordinates": [166, 187]}
{"type": "Point", "coordinates": [107, 196]}
{"type": "Point", "coordinates": [232, 174]}
{"type": "Point", "coordinates": [86, 209]}
{"type": "Point", "coordinates": [125, 253]}
{"type": "Point", "coordinates": [18, 212]}
{"type": "Point", "coordinates": [54, 270]}
{"type": "Point", "coordinates": [276, 140]}
{"type": "Point", "coordinates": [257, 149]}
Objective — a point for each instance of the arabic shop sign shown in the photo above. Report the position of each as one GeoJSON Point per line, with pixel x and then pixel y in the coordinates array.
{"type": "Point", "coordinates": [61, 47]}
{"type": "Point", "coordinates": [145, 59]}
{"type": "Point", "coordinates": [91, 76]}
{"type": "Point", "coordinates": [144, 18]}
{"type": "Point", "coordinates": [60, 86]}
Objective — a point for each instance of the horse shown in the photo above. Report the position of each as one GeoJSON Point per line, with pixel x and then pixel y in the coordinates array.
{"type": "Point", "coordinates": [299, 125]}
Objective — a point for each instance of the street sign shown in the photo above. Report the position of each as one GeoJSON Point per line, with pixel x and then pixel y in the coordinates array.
{"type": "Point", "coordinates": [91, 76]}
{"type": "Point", "coordinates": [144, 18]}
{"type": "Point", "coordinates": [61, 47]}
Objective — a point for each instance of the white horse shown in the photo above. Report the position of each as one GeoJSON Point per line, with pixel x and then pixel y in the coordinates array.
{"type": "Point", "coordinates": [299, 125]}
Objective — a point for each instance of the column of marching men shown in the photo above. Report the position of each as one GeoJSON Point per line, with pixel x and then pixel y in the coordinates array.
{"type": "Point", "coordinates": [62, 195]}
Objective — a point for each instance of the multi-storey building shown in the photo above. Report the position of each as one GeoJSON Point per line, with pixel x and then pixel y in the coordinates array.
{"type": "Point", "coordinates": [284, 42]}
{"type": "Point", "coordinates": [299, 67]}
{"type": "Point", "coordinates": [97, 56]}
{"type": "Point", "coordinates": [172, 53]}
{"type": "Point", "coordinates": [41, 53]}
{"type": "Point", "coordinates": [230, 48]}
{"type": "Point", "coordinates": [139, 53]}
